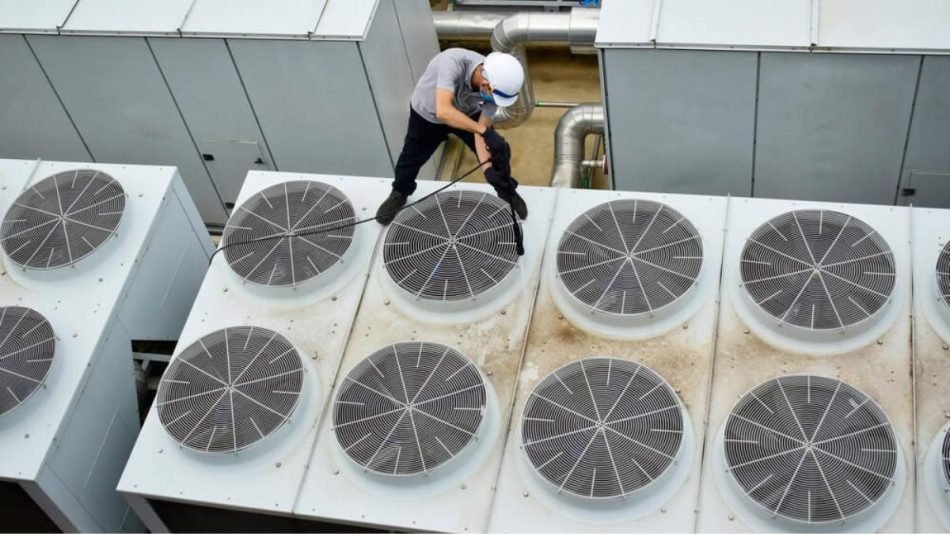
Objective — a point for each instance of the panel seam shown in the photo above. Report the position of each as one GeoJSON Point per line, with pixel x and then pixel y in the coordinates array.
{"type": "Point", "coordinates": [250, 103]}
{"type": "Point", "coordinates": [910, 124]}
{"type": "Point", "coordinates": [59, 99]}
{"type": "Point", "coordinates": [171, 94]}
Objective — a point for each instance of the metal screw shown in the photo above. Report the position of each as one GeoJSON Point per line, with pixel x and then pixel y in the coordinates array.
{"type": "Point", "coordinates": [880, 342]}
{"type": "Point", "coordinates": [732, 517]}
{"type": "Point", "coordinates": [336, 471]}
{"type": "Point", "coordinates": [524, 494]}
{"type": "Point", "coordinates": [663, 510]}
{"type": "Point", "coordinates": [464, 486]}
{"type": "Point", "coordinates": [278, 464]}
{"type": "Point", "coordinates": [685, 327]}
{"type": "Point", "coordinates": [386, 302]}
{"type": "Point", "coordinates": [489, 373]}
{"type": "Point", "coordinates": [746, 331]}
{"type": "Point", "coordinates": [26, 436]}
{"type": "Point", "coordinates": [560, 317]}
{"type": "Point", "coordinates": [333, 298]}
{"type": "Point", "coordinates": [946, 347]}
{"type": "Point", "coordinates": [504, 312]}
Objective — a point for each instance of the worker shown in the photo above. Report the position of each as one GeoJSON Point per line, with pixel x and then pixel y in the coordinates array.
{"type": "Point", "coordinates": [459, 93]}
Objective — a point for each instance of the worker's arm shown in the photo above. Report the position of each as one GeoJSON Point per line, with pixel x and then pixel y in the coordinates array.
{"type": "Point", "coordinates": [446, 112]}
{"type": "Point", "coordinates": [481, 149]}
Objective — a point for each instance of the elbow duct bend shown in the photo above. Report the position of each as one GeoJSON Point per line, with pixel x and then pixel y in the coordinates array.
{"type": "Point", "coordinates": [577, 29]}
{"type": "Point", "coordinates": [573, 128]}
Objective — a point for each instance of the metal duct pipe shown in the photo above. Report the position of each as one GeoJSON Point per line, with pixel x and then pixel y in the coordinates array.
{"type": "Point", "coordinates": [576, 124]}
{"type": "Point", "coordinates": [577, 29]}
{"type": "Point", "coordinates": [466, 26]}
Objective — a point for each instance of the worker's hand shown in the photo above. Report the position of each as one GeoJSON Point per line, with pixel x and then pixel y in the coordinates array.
{"type": "Point", "coordinates": [495, 142]}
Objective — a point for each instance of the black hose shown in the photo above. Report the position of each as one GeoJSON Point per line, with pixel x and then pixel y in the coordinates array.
{"type": "Point", "coordinates": [519, 239]}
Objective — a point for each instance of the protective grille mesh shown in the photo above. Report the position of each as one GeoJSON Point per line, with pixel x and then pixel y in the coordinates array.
{"type": "Point", "coordinates": [230, 389]}
{"type": "Point", "coordinates": [818, 269]}
{"type": "Point", "coordinates": [945, 458]}
{"type": "Point", "coordinates": [62, 219]}
{"type": "Point", "coordinates": [289, 210]}
{"type": "Point", "coordinates": [629, 257]}
{"type": "Point", "coordinates": [943, 274]}
{"type": "Point", "coordinates": [27, 347]}
{"type": "Point", "coordinates": [602, 427]}
{"type": "Point", "coordinates": [409, 408]}
{"type": "Point", "coordinates": [451, 247]}
{"type": "Point", "coordinates": [810, 449]}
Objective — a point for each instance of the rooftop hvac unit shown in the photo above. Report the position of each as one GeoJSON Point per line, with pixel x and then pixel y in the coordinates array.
{"type": "Point", "coordinates": [606, 430]}
{"type": "Point", "coordinates": [231, 430]}
{"type": "Point", "coordinates": [194, 83]}
{"type": "Point", "coordinates": [94, 256]}
{"type": "Point", "coordinates": [412, 440]}
{"type": "Point", "coordinates": [931, 249]}
{"type": "Point", "coordinates": [814, 324]}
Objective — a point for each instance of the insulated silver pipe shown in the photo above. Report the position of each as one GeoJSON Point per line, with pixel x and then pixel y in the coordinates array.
{"type": "Point", "coordinates": [577, 29]}
{"type": "Point", "coordinates": [466, 26]}
{"type": "Point", "coordinates": [576, 124]}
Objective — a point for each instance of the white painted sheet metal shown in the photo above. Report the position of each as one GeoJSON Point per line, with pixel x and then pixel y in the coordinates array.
{"type": "Point", "coordinates": [153, 17]}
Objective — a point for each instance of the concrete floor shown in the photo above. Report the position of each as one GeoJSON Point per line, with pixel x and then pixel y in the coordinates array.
{"type": "Point", "coordinates": [558, 76]}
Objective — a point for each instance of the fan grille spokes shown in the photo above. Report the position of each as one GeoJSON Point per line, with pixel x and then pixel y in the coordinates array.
{"type": "Point", "coordinates": [27, 347]}
{"type": "Point", "coordinates": [452, 246]}
{"type": "Point", "coordinates": [230, 389]}
{"type": "Point", "coordinates": [629, 257]}
{"type": "Point", "coordinates": [945, 458]}
{"type": "Point", "coordinates": [810, 449]}
{"type": "Point", "coordinates": [409, 408]}
{"type": "Point", "coordinates": [602, 428]}
{"type": "Point", "coordinates": [943, 275]}
{"type": "Point", "coordinates": [62, 219]}
{"type": "Point", "coordinates": [274, 237]}
{"type": "Point", "coordinates": [818, 269]}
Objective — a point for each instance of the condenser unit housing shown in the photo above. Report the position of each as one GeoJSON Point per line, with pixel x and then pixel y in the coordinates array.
{"type": "Point", "coordinates": [227, 441]}
{"type": "Point", "coordinates": [93, 257]}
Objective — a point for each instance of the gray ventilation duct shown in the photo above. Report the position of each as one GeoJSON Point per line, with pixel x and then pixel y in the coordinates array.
{"type": "Point", "coordinates": [576, 124]}
{"type": "Point", "coordinates": [512, 34]}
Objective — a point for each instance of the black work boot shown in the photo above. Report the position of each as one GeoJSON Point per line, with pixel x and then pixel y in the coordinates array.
{"type": "Point", "coordinates": [516, 202]}
{"type": "Point", "coordinates": [390, 207]}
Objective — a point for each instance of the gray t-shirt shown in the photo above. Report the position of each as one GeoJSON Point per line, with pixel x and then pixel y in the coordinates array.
{"type": "Point", "coordinates": [451, 69]}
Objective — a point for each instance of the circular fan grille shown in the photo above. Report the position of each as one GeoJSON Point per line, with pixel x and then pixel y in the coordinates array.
{"type": "Point", "coordinates": [818, 269]}
{"type": "Point", "coordinates": [629, 257]}
{"type": "Point", "coordinates": [273, 238]}
{"type": "Point", "coordinates": [230, 389]}
{"type": "Point", "coordinates": [62, 219]}
{"type": "Point", "coordinates": [452, 246]}
{"type": "Point", "coordinates": [810, 449]}
{"type": "Point", "coordinates": [945, 458]}
{"type": "Point", "coordinates": [602, 427]}
{"type": "Point", "coordinates": [943, 274]}
{"type": "Point", "coordinates": [409, 408]}
{"type": "Point", "coordinates": [27, 346]}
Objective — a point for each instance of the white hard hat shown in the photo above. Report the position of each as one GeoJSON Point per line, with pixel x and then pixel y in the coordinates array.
{"type": "Point", "coordinates": [505, 75]}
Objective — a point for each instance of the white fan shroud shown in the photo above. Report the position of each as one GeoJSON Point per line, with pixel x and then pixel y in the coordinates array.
{"type": "Point", "coordinates": [382, 477]}
{"type": "Point", "coordinates": [936, 475]}
{"type": "Point", "coordinates": [942, 286]}
{"type": "Point", "coordinates": [861, 515]}
{"type": "Point", "coordinates": [452, 253]}
{"type": "Point", "coordinates": [305, 259]}
{"type": "Point", "coordinates": [629, 249]}
{"type": "Point", "coordinates": [62, 220]}
{"type": "Point", "coordinates": [211, 393]}
{"type": "Point", "coordinates": [775, 264]}
{"type": "Point", "coordinates": [27, 352]}
{"type": "Point", "coordinates": [631, 503]}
